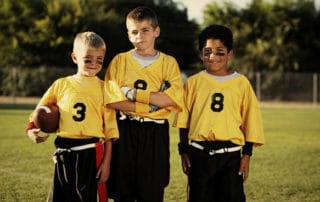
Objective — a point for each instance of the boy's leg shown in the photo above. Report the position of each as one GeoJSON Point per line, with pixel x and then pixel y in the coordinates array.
{"type": "Point", "coordinates": [215, 178]}
{"type": "Point", "coordinates": [232, 183]}
{"type": "Point", "coordinates": [74, 177]}
{"type": "Point", "coordinates": [140, 162]}
{"type": "Point", "coordinates": [153, 161]}
{"type": "Point", "coordinates": [200, 177]}
{"type": "Point", "coordinates": [121, 183]}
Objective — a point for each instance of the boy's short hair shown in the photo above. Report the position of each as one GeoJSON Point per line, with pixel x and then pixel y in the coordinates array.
{"type": "Point", "coordinates": [144, 13]}
{"type": "Point", "coordinates": [90, 39]}
{"type": "Point", "coordinates": [222, 33]}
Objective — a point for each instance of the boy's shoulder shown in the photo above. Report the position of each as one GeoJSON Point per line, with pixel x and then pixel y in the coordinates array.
{"type": "Point", "coordinates": [162, 56]}
{"type": "Point", "coordinates": [63, 79]}
{"type": "Point", "coordinates": [203, 74]}
{"type": "Point", "coordinates": [167, 56]}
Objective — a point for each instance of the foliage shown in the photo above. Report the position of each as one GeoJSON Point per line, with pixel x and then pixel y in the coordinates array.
{"type": "Point", "coordinates": [269, 35]}
{"type": "Point", "coordinates": [41, 32]}
{"type": "Point", "coordinates": [38, 35]}
{"type": "Point", "coordinates": [277, 36]}
{"type": "Point", "coordinates": [23, 82]}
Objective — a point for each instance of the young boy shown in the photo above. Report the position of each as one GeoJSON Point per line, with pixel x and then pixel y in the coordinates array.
{"type": "Point", "coordinates": [84, 124]}
{"type": "Point", "coordinates": [221, 115]}
{"type": "Point", "coordinates": [140, 161]}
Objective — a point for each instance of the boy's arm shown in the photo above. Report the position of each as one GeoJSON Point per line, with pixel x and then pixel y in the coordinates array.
{"type": "Point", "coordinates": [161, 100]}
{"type": "Point", "coordinates": [32, 131]}
{"type": "Point", "coordinates": [104, 169]}
{"type": "Point", "coordinates": [33, 134]}
{"type": "Point", "coordinates": [125, 106]}
{"type": "Point", "coordinates": [128, 106]}
{"type": "Point", "coordinates": [183, 147]}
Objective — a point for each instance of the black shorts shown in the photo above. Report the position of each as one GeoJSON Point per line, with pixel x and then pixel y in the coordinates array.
{"type": "Point", "coordinates": [140, 161]}
{"type": "Point", "coordinates": [214, 178]}
{"type": "Point", "coordinates": [75, 172]}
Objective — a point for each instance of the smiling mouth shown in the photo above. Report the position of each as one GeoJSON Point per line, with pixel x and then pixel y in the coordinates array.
{"type": "Point", "coordinates": [213, 61]}
{"type": "Point", "coordinates": [92, 68]}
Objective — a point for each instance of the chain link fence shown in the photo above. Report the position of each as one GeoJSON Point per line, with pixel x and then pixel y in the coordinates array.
{"type": "Point", "coordinates": [21, 84]}
{"type": "Point", "coordinates": [283, 86]}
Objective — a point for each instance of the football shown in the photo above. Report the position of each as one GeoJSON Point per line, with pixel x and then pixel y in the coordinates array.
{"type": "Point", "coordinates": [46, 117]}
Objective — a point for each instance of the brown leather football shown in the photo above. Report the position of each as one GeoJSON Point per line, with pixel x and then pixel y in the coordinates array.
{"type": "Point", "coordinates": [46, 117]}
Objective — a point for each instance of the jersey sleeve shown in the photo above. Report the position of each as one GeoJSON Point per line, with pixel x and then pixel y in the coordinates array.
{"type": "Point", "coordinates": [252, 125]}
{"type": "Point", "coordinates": [181, 119]}
{"type": "Point", "coordinates": [49, 97]}
{"type": "Point", "coordinates": [175, 92]}
{"type": "Point", "coordinates": [113, 92]}
{"type": "Point", "coordinates": [110, 124]}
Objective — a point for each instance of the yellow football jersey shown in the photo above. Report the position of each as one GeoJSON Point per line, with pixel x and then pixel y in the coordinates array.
{"type": "Point", "coordinates": [221, 111]}
{"type": "Point", "coordinates": [124, 70]}
{"type": "Point", "coordinates": [82, 108]}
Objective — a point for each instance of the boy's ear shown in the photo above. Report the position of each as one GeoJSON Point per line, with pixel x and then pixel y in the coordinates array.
{"type": "Point", "coordinates": [157, 32]}
{"type": "Point", "coordinates": [230, 54]}
{"type": "Point", "coordinates": [201, 55]}
{"type": "Point", "coordinates": [74, 57]}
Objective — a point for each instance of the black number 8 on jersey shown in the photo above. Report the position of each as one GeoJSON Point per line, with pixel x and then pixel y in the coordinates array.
{"type": "Point", "coordinates": [217, 102]}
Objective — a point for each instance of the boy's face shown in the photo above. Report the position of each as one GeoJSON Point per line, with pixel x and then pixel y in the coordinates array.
{"type": "Point", "coordinates": [89, 60]}
{"type": "Point", "coordinates": [215, 57]}
{"type": "Point", "coordinates": [142, 35]}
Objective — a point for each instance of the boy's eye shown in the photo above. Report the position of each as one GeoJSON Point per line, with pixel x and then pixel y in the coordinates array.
{"type": "Point", "coordinates": [208, 51]}
{"type": "Point", "coordinates": [220, 54]}
{"type": "Point", "coordinates": [134, 32]}
{"type": "Point", "coordinates": [99, 62]}
{"type": "Point", "coordinates": [87, 61]}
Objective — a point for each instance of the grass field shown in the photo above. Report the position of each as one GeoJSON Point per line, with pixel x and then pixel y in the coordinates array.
{"type": "Point", "coordinates": [285, 169]}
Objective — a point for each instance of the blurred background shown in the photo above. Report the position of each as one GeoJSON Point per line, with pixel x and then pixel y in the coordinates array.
{"type": "Point", "coordinates": [277, 42]}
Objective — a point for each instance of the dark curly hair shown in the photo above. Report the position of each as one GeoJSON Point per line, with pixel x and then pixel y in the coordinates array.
{"type": "Point", "coordinates": [222, 33]}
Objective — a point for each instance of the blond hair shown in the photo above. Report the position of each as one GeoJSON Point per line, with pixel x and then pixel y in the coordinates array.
{"type": "Point", "coordinates": [144, 13]}
{"type": "Point", "coordinates": [89, 39]}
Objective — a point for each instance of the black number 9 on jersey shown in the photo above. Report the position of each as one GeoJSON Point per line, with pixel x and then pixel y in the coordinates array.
{"type": "Point", "coordinates": [217, 102]}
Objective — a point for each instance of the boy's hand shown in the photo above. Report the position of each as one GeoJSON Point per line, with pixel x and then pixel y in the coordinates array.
{"type": "Point", "coordinates": [186, 165]}
{"type": "Point", "coordinates": [130, 93]}
{"type": "Point", "coordinates": [33, 134]}
{"type": "Point", "coordinates": [164, 86]}
{"type": "Point", "coordinates": [244, 167]}
{"type": "Point", "coordinates": [103, 172]}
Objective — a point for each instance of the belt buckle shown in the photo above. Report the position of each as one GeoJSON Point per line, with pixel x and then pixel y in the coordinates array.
{"type": "Point", "coordinates": [212, 152]}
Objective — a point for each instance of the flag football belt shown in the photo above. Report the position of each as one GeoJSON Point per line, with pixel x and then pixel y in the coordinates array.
{"type": "Point", "coordinates": [141, 119]}
{"type": "Point", "coordinates": [218, 151]}
{"type": "Point", "coordinates": [78, 148]}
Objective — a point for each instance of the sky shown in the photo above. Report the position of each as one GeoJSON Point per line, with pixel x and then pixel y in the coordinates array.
{"type": "Point", "coordinates": [195, 7]}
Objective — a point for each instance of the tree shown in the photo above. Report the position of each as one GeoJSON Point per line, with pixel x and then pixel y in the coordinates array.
{"type": "Point", "coordinates": [280, 36]}
{"type": "Point", "coordinates": [40, 33]}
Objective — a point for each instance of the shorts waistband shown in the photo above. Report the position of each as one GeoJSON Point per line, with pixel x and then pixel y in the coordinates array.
{"type": "Point", "coordinates": [79, 148]}
{"type": "Point", "coordinates": [75, 149]}
{"type": "Point", "coordinates": [140, 119]}
{"type": "Point", "coordinates": [218, 151]}
{"type": "Point", "coordinates": [63, 142]}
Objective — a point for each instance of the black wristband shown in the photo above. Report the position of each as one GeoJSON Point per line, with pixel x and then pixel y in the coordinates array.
{"type": "Point", "coordinates": [183, 147]}
{"type": "Point", "coordinates": [247, 149]}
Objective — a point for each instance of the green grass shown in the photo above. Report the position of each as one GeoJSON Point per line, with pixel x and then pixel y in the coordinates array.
{"type": "Point", "coordinates": [285, 169]}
